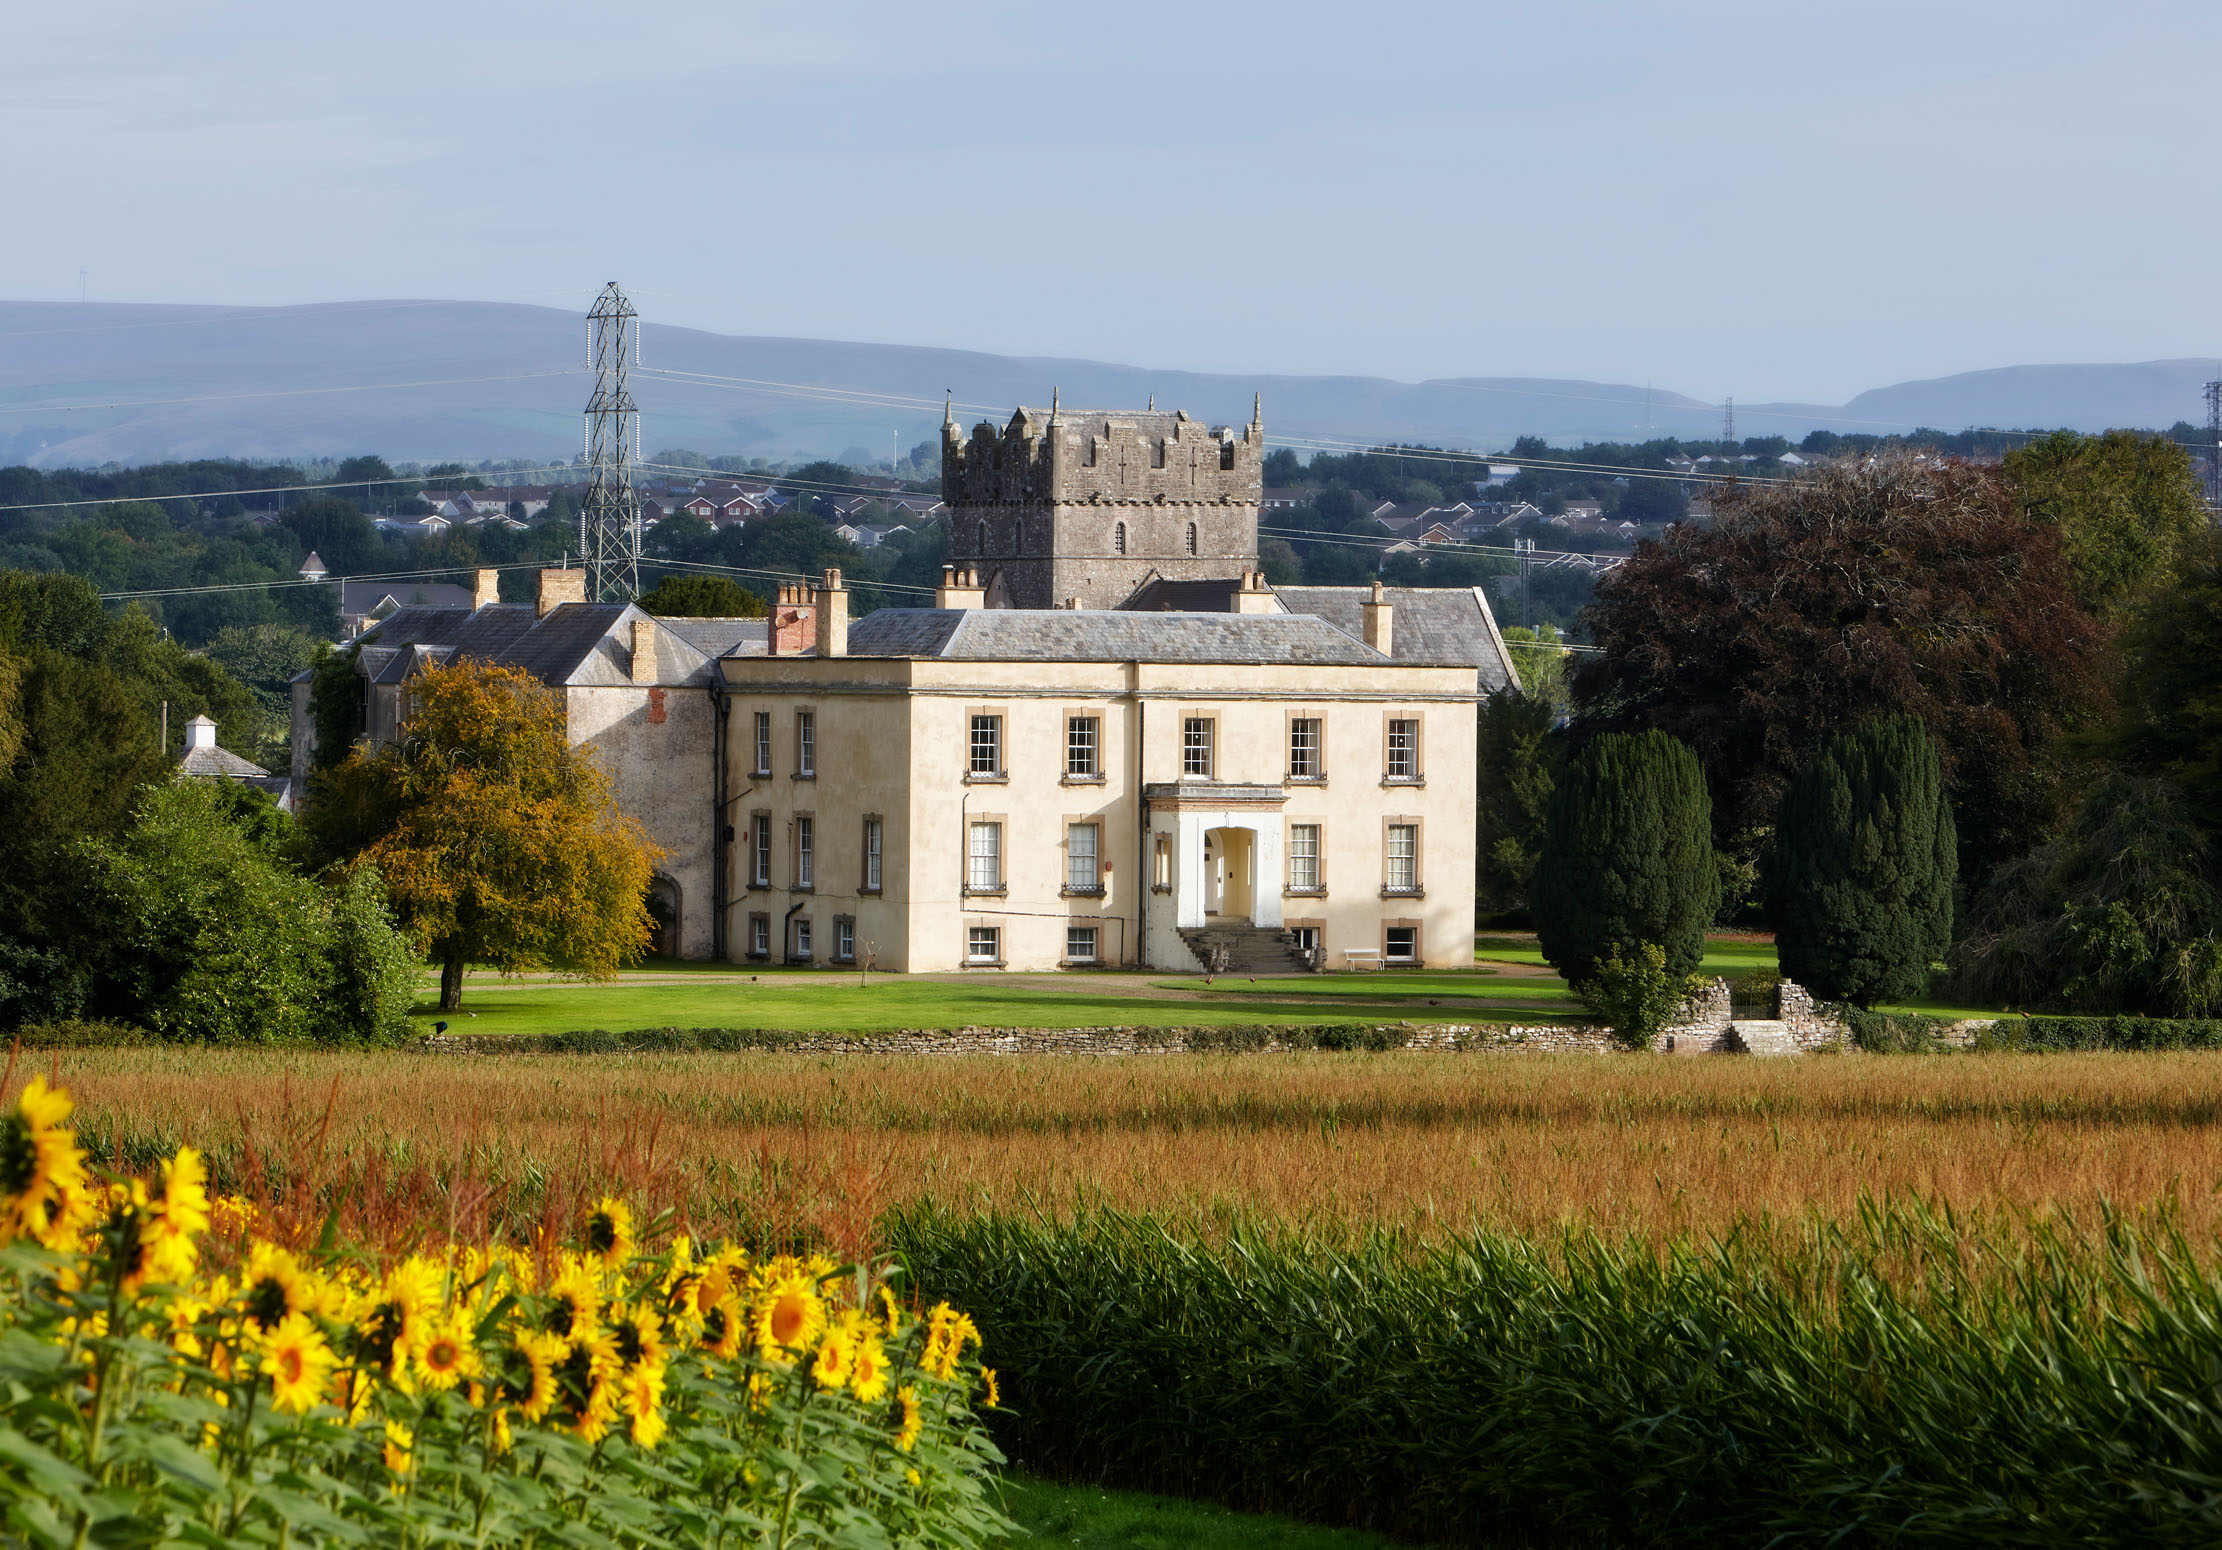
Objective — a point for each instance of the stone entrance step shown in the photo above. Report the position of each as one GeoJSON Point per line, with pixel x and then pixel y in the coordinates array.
{"type": "Point", "coordinates": [1761, 1036]}
{"type": "Point", "coordinates": [1238, 947]}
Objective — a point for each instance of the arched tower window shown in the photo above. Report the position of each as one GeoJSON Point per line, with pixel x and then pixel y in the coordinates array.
{"type": "Point", "coordinates": [980, 539]}
{"type": "Point", "coordinates": [1191, 538]}
{"type": "Point", "coordinates": [1118, 538]}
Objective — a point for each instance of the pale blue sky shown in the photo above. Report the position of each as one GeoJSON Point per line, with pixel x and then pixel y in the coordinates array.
{"type": "Point", "coordinates": [1770, 200]}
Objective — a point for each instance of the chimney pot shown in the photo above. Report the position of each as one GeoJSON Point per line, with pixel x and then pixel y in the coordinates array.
{"type": "Point", "coordinates": [833, 617]}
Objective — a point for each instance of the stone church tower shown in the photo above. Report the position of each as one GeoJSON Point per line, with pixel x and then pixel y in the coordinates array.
{"type": "Point", "coordinates": [1067, 506]}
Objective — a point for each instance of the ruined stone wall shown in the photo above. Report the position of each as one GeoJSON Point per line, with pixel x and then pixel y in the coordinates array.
{"type": "Point", "coordinates": [1443, 1038]}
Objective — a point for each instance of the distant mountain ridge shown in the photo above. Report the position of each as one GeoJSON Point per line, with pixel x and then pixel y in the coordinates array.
{"type": "Point", "coordinates": [89, 383]}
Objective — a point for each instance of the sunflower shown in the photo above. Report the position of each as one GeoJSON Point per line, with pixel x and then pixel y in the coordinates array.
{"type": "Point", "coordinates": [789, 1315]}
{"type": "Point", "coordinates": [894, 1314]}
{"type": "Point", "coordinates": [836, 1359]}
{"type": "Point", "coordinates": [401, 1444]}
{"type": "Point", "coordinates": [948, 1332]}
{"type": "Point", "coordinates": [445, 1353]}
{"type": "Point", "coordinates": [504, 1439]}
{"type": "Point", "coordinates": [994, 1396]}
{"type": "Point", "coordinates": [574, 1301]}
{"type": "Point", "coordinates": [528, 1372]}
{"type": "Point", "coordinates": [639, 1336]}
{"type": "Point", "coordinates": [41, 1169]}
{"type": "Point", "coordinates": [911, 1422]}
{"type": "Point", "coordinates": [586, 1386]}
{"type": "Point", "coordinates": [868, 1372]}
{"type": "Point", "coordinates": [640, 1396]}
{"type": "Point", "coordinates": [297, 1361]}
{"type": "Point", "coordinates": [275, 1286]}
{"type": "Point", "coordinates": [723, 1327]}
{"type": "Point", "coordinates": [609, 1232]}
{"type": "Point", "coordinates": [174, 1221]}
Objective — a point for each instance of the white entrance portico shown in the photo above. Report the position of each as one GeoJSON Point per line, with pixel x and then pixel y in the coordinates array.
{"type": "Point", "coordinates": [1222, 847]}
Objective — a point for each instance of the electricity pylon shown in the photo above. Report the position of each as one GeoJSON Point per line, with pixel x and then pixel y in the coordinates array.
{"type": "Point", "coordinates": [609, 522]}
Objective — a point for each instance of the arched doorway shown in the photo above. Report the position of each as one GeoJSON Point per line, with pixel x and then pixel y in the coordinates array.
{"type": "Point", "coordinates": [663, 911]}
{"type": "Point", "coordinates": [1230, 873]}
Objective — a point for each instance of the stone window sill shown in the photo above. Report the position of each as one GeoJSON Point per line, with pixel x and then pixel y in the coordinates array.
{"type": "Point", "coordinates": [1080, 963]}
{"type": "Point", "coordinates": [1161, 888]}
{"type": "Point", "coordinates": [1305, 780]}
{"type": "Point", "coordinates": [988, 893]}
{"type": "Point", "coordinates": [1081, 780]}
{"type": "Point", "coordinates": [983, 963]}
{"type": "Point", "coordinates": [804, 775]}
{"type": "Point", "coordinates": [869, 893]}
{"type": "Point", "coordinates": [761, 774]}
{"type": "Point", "coordinates": [1404, 780]}
{"type": "Point", "coordinates": [976, 778]}
{"type": "Point", "coordinates": [759, 887]}
{"type": "Point", "coordinates": [1404, 893]}
{"type": "Point", "coordinates": [1303, 893]}
{"type": "Point", "coordinates": [1069, 892]}
{"type": "Point", "coordinates": [803, 888]}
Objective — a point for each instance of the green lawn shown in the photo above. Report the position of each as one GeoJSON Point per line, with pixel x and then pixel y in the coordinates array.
{"type": "Point", "coordinates": [1725, 956]}
{"type": "Point", "coordinates": [1095, 1518]}
{"type": "Point", "coordinates": [834, 1002]}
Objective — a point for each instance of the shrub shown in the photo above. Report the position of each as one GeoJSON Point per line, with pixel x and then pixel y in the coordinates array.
{"type": "Point", "coordinates": [1627, 857]}
{"type": "Point", "coordinates": [1891, 1033]}
{"type": "Point", "coordinates": [372, 969]}
{"type": "Point", "coordinates": [180, 1371]}
{"type": "Point", "coordinates": [2101, 1033]}
{"type": "Point", "coordinates": [1865, 857]}
{"type": "Point", "coordinates": [1635, 993]}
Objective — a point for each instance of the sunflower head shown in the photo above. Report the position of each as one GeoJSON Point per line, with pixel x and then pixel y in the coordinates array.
{"type": "Point", "coordinates": [275, 1286]}
{"type": "Point", "coordinates": [789, 1315]}
{"type": "Point", "coordinates": [574, 1302]}
{"type": "Point", "coordinates": [909, 1422]}
{"type": "Point", "coordinates": [297, 1362]}
{"type": "Point", "coordinates": [401, 1445]}
{"type": "Point", "coordinates": [445, 1353]}
{"type": "Point", "coordinates": [41, 1169]}
{"type": "Point", "coordinates": [868, 1370]}
{"type": "Point", "coordinates": [609, 1232]}
{"type": "Point", "coordinates": [835, 1360]}
{"type": "Point", "coordinates": [639, 1336]}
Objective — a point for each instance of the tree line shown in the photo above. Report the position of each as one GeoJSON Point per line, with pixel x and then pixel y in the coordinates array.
{"type": "Point", "coordinates": [1936, 724]}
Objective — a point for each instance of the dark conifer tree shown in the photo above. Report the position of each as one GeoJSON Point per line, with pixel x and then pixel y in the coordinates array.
{"type": "Point", "coordinates": [1865, 859]}
{"type": "Point", "coordinates": [1627, 856]}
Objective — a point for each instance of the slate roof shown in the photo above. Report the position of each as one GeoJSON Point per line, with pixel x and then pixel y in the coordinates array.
{"type": "Point", "coordinates": [214, 761]}
{"type": "Point", "coordinates": [719, 637]}
{"type": "Point", "coordinates": [360, 597]}
{"type": "Point", "coordinates": [1432, 625]}
{"type": "Point", "coordinates": [1160, 596]}
{"type": "Point", "coordinates": [1060, 635]}
{"type": "Point", "coordinates": [576, 644]}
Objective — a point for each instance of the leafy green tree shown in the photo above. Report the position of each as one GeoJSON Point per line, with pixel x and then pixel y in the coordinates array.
{"type": "Point", "coordinates": [336, 693]}
{"type": "Point", "coordinates": [1627, 857]}
{"type": "Point", "coordinates": [1277, 558]}
{"type": "Point", "coordinates": [499, 842]}
{"type": "Point", "coordinates": [2126, 506]}
{"type": "Point", "coordinates": [213, 938]}
{"type": "Point", "coordinates": [1517, 759]}
{"type": "Point", "coordinates": [2120, 913]}
{"type": "Point", "coordinates": [1865, 859]}
{"type": "Point", "coordinates": [264, 660]}
{"type": "Point", "coordinates": [701, 597]}
{"type": "Point", "coordinates": [1635, 993]}
{"type": "Point", "coordinates": [1539, 656]}
{"type": "Point", "coordinates": [2171, 720]}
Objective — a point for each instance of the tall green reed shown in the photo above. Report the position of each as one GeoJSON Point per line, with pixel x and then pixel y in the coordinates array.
{"type": "Point", "coordinates": [1901, 1376]}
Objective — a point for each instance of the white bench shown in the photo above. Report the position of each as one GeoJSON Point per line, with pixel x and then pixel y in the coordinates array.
{"type": "Point", "coordinates": [1361, 957]}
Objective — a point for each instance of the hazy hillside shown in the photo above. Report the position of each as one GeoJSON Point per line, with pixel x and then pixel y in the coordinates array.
{"type": "Point", "coordinates": [91, 383]}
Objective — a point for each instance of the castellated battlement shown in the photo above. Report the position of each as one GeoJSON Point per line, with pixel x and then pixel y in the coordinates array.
{"type": "Point", "coordinates": [1060, 507]}
{"type": "Point", "coordinates": [1060, 456]}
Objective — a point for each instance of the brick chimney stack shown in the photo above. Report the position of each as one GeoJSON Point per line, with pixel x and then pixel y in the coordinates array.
{"type": "Point", "coordinates": [792, 628]}
{"type": "Point", "coordinates": [960, 589]}
{"type": "Point", "coordinates": [1380, 620]}
{"type": "Point", "coordinates": [644, 651]}
{"type": "Point", "coordinates": [558, 587]}
{"type": "Point", "coordinates": [485, 586]}
{"type": "Point", "coordinates": [1254, 596]}
{"type": "Point", "coordinates": [833, 617]}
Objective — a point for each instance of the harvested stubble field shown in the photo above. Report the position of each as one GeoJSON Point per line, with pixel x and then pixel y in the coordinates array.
{"type": "Point", "coordinates": [1434, 1142]}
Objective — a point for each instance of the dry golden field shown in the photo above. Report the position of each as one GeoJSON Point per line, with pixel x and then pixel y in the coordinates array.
{"type": "Point", "coordinates": [1636, 1144]}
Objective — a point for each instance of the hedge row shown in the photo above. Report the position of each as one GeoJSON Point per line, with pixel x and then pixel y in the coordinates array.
{"type": "Point", "coordinates": [1234, 1039]}
{"type": "Point", "coordinates": [2046, 1390]}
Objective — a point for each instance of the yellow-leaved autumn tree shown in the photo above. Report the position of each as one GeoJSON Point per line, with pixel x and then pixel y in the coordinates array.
{"type": "Point", "coordinates": [499, 842]}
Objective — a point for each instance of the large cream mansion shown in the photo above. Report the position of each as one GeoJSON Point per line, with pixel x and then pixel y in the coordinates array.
{"type": "Point", "coordinates": [1211, 771]}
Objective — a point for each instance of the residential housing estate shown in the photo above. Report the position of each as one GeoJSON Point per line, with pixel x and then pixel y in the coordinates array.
{"type": "Point", "coordinates": [1170, 764]}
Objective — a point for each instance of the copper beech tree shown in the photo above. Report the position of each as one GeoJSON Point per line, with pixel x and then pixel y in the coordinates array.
{"type": "Point", "coordinates": [499, 842]}
{"type": "Point", "coordinates": [1809, 606]}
